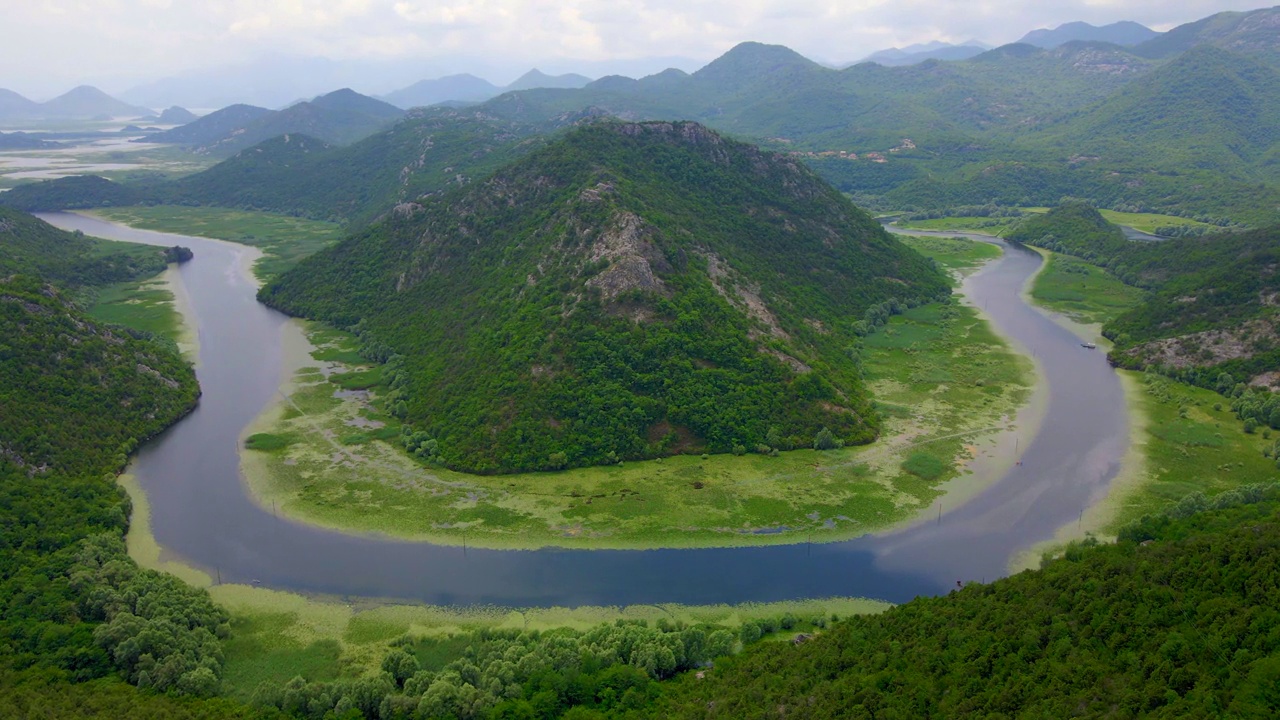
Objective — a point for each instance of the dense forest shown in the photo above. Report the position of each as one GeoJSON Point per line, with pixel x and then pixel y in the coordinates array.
{"type": "Point", "coordinates": [1212, 301]}
{"type": "Point", "coordinates": [32, 247]}
{"type": "Point", "coordinates": [77, 397]}
{"type": "Point", "coordinates": [631, 290]}
{"type": "Point", "coordinates": [1176, 619]}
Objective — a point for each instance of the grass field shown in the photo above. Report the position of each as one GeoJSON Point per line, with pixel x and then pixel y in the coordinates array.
{"type": "Point", "coordinates": [1144, 222]}
{"type": "Point", "coordinates": [980, 225]}
{"type": "Point", "coordinates": [1148, 222]}
{"type": "Point", "coordinates": [957, 255]}
{"type": "Point", "coordinates": [944, 382]}
{"type": "Point", "coordinates": [1192, 443]}
{"type": "Point", "coordinates": [283, 239]}
{"type": "Point", "coordinates": [277, 636]}
{"type": "Point", "coordinates": [143, 306]}
{"type": "Point", "coordinates": [1083, 292]}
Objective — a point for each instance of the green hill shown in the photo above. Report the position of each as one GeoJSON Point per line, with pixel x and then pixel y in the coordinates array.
{"type": "Point", "coordinates": [76, 192]}
{"type": "Point", "coordinates": [210, 128]}
{"type": "Point", "coordinates": [1256, 33]}
{"type": "Point", "coordinates": [1212, 306]}
{"type": "Point", "coordinates": [33, 247]}
{"type": "Point", "coordinates": [1206, 109]}
{"type": "Point", "coordinates": [630, 290]}
{"type": "Point", "coordinates": [429, 151]}
{"type": "Point", "coordinates": [341, 117]}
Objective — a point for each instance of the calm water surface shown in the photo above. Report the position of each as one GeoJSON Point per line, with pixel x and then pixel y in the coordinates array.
{"type": "Point", "coordinates": [202, 514]}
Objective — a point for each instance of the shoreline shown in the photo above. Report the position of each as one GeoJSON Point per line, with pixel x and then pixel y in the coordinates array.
{"type": "Point", "coordinates": [994, 462]}
{"type": "Point", "coordinates": [188, 339]}
{"type": "Point", "coordinates": [258, 472]}
{"type": "Point", "coordinates": [1100, 515]}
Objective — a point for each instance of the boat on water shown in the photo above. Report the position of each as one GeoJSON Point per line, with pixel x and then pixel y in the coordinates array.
{"type": "Point", "coordinates": [1088, 345]}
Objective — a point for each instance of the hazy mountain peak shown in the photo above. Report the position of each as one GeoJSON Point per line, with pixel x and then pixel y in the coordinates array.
{"type": "Point", "coordinates": [920, 52]}
{"type": "Point", "coordinates": [1251, 33]}
{"type": "Point", "coordinates": [88, 101]}
{"type": "Point", "coordinates": [535, 78]}
{"type": "Point", "coordinates": [750, 61]}
{"type": "Point", "coordinates": [1120, 33]}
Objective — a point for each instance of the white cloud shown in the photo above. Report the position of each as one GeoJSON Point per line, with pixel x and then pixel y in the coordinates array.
{"type": "Point", "coordinates": [48, 46]}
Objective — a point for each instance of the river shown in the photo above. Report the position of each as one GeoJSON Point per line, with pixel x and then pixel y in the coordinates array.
{"type": "Point", "coordinates": [202, 514]}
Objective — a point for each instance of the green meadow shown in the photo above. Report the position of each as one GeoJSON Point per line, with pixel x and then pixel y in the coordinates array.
{"type": "Point", "coordinates": [1081, 291]}
{"type": "Point", "coordinates": [283, 239]}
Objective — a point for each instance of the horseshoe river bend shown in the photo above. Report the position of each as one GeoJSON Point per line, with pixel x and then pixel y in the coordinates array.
{"type": "Point", "coordinates": [202, 513]}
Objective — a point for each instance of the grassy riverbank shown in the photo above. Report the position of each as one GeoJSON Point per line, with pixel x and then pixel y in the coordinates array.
{"type": "Point", "coordinates": [283, 239]}
{"type": "Point", "coordinates": [946, 384]}
{"type": "Point", "coordinates": [1185, 438]}
{"type": "Point", "coordinates": [1085, 293]}
{"type": "Point", "coordinates": [277, 635]}
{"type": "Point", "coordinates": [1142, 222]}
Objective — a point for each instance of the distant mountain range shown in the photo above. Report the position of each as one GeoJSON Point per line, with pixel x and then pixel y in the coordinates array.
{"type": "Point", "coordinates": [340, 117]}
{"type": "Point", "coordinates": [918, 53]}
{"type": "Point", "coordinates": [1121, 33]}
{"type": "Point", "coordinates": [83, 102]}
{"type": "Point", "coordinates": [469, 88]}
{"type": "Point", "coordinates": [1192, 132]}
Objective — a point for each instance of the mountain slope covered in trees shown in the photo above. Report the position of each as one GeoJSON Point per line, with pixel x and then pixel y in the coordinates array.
{"type": "Point", "coordinates": [1213, 301]}
{"type": "Point", "coordinates": [76, 397]}
{"type": "Point", "coordinates": [630, 290]}
{"type": "Point", "coordinates": [340, 117]}
{"type": "Point", "coordinates": [429, 151]}
{"type": "Point", "coordinates": [32, 247]}
{"type": "Point", "coordinates": [1206, 108]}
{"type": "Point", "coordinates": [1174, 620]}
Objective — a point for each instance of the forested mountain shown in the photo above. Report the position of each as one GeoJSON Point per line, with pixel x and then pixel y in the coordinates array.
{"type": "Point", "coordinates": [463, 87]}
{"type": "Point", "coordinates": [1256, 33]}
{"type": "Point", "coordinates": [1205, 109]}
{"type": "Point", "coordinates": [210, 128]}
{"type": "Point", "coordinates": [430, 151]}
{"type": "Point", "coordinates": [340, 117]}
{"type": "Point", "coordinates": [1118, 33]}
{"type": "Point", "coordinates": [1175, 620]}
{"type": "Point", "coordinates": [73, 192]}
{"type": "Point", "coordinates": [630, 290]}
{"type": "Point", "coordinates": [1212, 307]}
{"type": "Point", "coordinates": [30, 246]}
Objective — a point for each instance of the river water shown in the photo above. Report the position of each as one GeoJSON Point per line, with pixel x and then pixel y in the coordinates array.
{"type": "Point", "coordinates": [202, 514]}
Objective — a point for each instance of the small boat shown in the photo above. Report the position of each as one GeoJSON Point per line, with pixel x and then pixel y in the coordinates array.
{"type": "Point", "coordinates": [1088, 345]}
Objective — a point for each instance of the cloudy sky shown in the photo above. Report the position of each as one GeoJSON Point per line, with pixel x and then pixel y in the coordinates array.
{"type": "Point", "coordinates": [47, 46]}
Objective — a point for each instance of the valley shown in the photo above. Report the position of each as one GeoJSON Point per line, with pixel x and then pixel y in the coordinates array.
{"type": "Point", "coordinates": [940, 384]}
